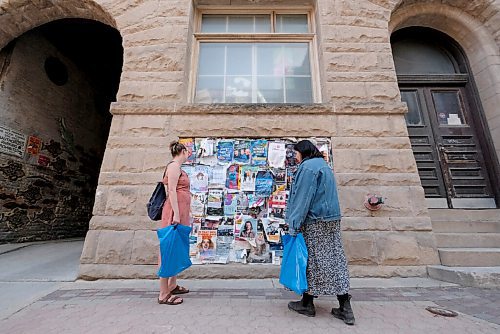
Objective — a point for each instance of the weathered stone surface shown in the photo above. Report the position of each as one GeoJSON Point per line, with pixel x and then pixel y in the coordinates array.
{"type": "Point", "coordinates": [150, 126]}
{"type": "Point", "coordinates": [90, 247]}
{"type": "Point", "coordinates": [145, 248]}
{"type": "Point", "coordinates": [398, 249]}
{"type": "Point", "coordinates": [356, 143]}
{"type": "Point", "coordinates": [411, 224]}
{"type": "Point", "coordinates": [366, 224]}
{"type": "Point", "coordinates": [371, 126]}
{"type": "Point", "coordinates": [114, 247]}
{"type": "Point", "coordinates": [234, 271]}
{"type": "Point", "coordinates": [398, 201]}
{"type": "Point", "coordinates": [121, 201]}
{"type": "Point", "coordinates": [150, 91]}
{"type": "Point", "coordinates": [406, 249]}
{"type": "Point", "coordinates": [100, 199]}
{"type": "Point", "coordinates": [246, 125]}
{"type": "Point", "coordinates": [123, 223]}
{"type": "Point", "coordinates": [360, 248]}
{"type": "Point", "coordinates": [166, 58]}
{"type": "Point", "coordinates": [374, 161]}
{"type": "Point", "coordinates": [130, 161]}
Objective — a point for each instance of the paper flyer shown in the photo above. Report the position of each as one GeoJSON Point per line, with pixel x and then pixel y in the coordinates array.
{"type": "Point", "coordinates": [247, 176]}
{"type": "Point", "coordinates": [230, 204]}
{"type": "Point", "coordinates": [225, 151]}
{"type": "Point", "coordinates": [276, 154]}
{"type": "Point", "coordinates": [200, 177]}
{"type": "Point", "coordinates": [233, 177]}
{"type": "Point", "coordinates": [264, 182]}
{"type": "Point", "coordinates": [259, 152]}
{"type": "Point", "coordinates": [242, 151]}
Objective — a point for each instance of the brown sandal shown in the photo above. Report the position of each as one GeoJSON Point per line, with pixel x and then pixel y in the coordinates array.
{"type": "Point", "coordinates": [179, 290]}
{"type": "Point", "coordinates": [170, 300]}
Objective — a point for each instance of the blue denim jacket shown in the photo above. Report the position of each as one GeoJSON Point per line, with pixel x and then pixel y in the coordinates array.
{"type": "Point", "coordinates": [313, 195]}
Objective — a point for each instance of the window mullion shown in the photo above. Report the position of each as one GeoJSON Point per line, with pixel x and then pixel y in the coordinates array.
{"type": "Point", "coordinates": [284, 73]}
{"type": "Point", "coordinates": [225, 74]}
{"type": "Point", "coordinates": [254, 73]}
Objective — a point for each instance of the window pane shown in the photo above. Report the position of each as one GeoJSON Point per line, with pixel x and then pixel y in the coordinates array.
{"type": "Point", "coordinates": [254, 73]}
{"type": "Point", "coordinates": [236, 23]}
{"type": "Point", "coordinates": [297, 59]}
{"type": "Point", "coordinates": [414, 115]}
{"type": "Point", "coordinates": [270, 89]}
{"type": "Point", "coordinates": [262, 23]}
{"type": "Point", "coordinates": [292, 23]}
{"type": "Point", "coordinates": [238, 89]}
{"type": "Point", "coordinates": [213, 23]}
{"type": "Point", "coordinates": [239, 59]}
{"type": "Point", "coordinates": [269, 59]}
{"type": "Point", "coordinates": [211, 60]}
{"type": "Point", "coordinates": [240, 23]}
{"type": "Point", "coordinates": [298, 90]}
{"type": "Point", "coordinates": [283, 58]}
{"type": "Point", "coordinates": [448, 108]}
{"type": "Point", "coordinates": [419, 57]}
{"type": "Point", "coordinates": [210, 89]}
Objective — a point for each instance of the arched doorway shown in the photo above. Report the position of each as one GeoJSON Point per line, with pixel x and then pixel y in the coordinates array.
{"type": "Point", "coordinates": [56, 85]}
{"type": "Point", "coordinates": [449, 139]}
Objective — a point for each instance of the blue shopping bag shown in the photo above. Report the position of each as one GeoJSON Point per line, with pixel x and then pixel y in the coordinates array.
{"type": "Point", "coordinates": [174, 249]}
{"type": "Point", "coordinates": [294, 264]}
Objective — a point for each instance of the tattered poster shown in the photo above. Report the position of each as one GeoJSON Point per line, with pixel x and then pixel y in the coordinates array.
{"type": "Point", "coordinates": [276, 154]}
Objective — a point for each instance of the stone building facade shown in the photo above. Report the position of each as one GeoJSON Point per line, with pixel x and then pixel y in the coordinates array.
{"type": "Point", "coordinates": [356, 101]}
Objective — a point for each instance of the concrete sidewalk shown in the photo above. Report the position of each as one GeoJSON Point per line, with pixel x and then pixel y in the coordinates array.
{"type": "Point", "coordinates": [254, 306]}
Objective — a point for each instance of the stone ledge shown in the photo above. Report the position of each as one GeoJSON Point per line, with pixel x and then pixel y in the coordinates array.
{"type": "Point", "coordinates": [352, 108]}
{"type": "Point", "coordinates": [232, 271]}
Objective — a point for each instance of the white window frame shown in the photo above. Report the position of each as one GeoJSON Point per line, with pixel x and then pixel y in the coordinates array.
{"type": "Point", "coordinates": [272, 37]}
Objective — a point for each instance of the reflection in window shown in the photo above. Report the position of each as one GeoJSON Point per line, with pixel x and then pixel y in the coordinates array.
{"type": "Point", "coordinates": [254, 73]}
{"type": "Point", "coordinates": [448, 108]}
{"type": "Point", "coordinates": [291, 23]}
{"type": "Point", "coordinates": [414, 115]}
{"type": "Point", "coordinates": [236, 24]}
{"type": "Point", "coordinates": [417, 57]}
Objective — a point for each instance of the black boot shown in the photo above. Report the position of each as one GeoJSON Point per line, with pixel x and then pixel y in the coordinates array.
{"type": "Point", "coordinates": [304, 306]}
{"type": "Point", "coordinates": [344, 312]}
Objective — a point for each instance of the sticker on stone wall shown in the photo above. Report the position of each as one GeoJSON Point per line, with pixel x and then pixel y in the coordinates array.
{"type": "Point", "coordinates": [34, 145]}
{"type": "Point", "coordinates": [43, 160]}
{"type": "Point", "coordinates": [12, 142]}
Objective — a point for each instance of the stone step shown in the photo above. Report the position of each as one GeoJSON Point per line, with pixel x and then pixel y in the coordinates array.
{"type": "Point", "coordinates": [466, 227]}
{"type": "Point", "coordinates": [467, 240]}
{"type": "Point", "coordinates": [470, 257]}
{"type": "Point", "coordinates": [465, 215]}
{"type": "Point", "coordinates": [484, 277]}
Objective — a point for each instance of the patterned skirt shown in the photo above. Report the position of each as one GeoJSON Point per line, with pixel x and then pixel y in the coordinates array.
{"type": "Point", "coordinates": [327, 272]}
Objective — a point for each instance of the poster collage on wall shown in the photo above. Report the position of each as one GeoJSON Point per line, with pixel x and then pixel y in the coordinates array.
{"type": "Point", "coordinates": [239, 190]}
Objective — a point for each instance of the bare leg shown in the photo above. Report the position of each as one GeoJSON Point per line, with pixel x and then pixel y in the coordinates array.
{"type": "Point", "coordinates": [172, 283]}
{"type": "Point", "coordinates": [164, 288]}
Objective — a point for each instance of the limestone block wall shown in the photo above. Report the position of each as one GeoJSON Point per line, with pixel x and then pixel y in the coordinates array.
{"type": "Point", "coordinates": [360, 110]}
{"type": "Point", "coordinates": [53, 201]}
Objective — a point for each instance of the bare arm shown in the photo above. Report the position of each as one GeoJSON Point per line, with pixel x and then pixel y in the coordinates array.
{"type": "Point", "coordinates": [173, 174]}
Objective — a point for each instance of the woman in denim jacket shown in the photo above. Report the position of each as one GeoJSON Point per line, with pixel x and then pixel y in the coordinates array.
{"type": "Point", "coordinates": [313, 209]}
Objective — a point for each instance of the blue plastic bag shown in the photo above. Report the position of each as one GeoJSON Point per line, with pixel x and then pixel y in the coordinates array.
{"type": "Point", "coordinates": [294, 264]}
{"type": "Point", "coordinates": [174, 249]}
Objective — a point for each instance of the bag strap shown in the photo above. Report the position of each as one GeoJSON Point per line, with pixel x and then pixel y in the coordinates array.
{"type": "Point", "coordinates": [165, 172]}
